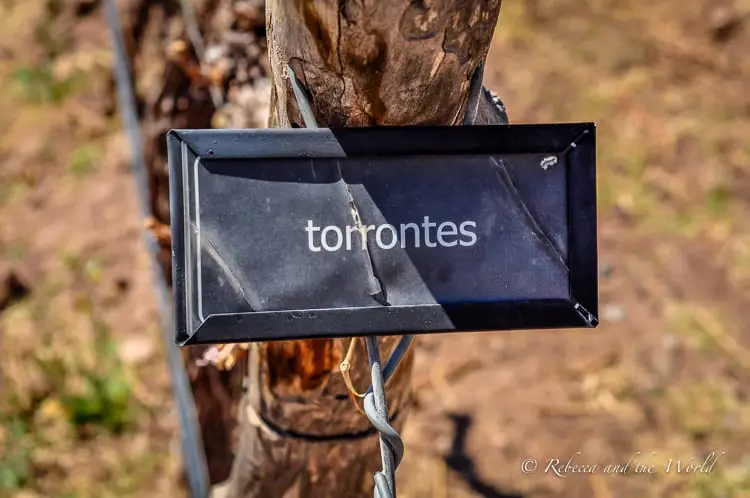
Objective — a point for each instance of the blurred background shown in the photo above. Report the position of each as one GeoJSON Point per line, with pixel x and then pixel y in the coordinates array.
{"type": "Point", "coordinates": [85, 400]}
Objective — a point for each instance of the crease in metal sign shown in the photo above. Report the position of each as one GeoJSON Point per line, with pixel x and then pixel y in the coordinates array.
{"type": "Point", "coordinates": [282, 234]}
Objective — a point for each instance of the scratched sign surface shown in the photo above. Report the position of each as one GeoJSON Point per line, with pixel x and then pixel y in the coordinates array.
{"type": "Point", "coordinates": [283, 234]}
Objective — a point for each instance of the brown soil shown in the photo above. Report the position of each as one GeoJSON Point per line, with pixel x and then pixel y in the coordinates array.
{"type": "Point", "coordinates": [665, 376]}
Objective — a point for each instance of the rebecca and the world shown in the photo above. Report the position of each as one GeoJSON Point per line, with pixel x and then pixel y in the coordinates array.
{"type": "Point", "coordinates": [426, 234]}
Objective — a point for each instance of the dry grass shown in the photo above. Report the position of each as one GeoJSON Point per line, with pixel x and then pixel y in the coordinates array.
{"type": "Point", "coordinates": [84, 405]}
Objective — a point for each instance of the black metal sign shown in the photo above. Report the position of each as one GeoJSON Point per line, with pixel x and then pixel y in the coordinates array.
{"type": "Point", "coordinates": [284, 234]}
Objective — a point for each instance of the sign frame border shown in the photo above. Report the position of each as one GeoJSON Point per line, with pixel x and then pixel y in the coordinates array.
{"type": "Point", "coordinates": [577, 141]}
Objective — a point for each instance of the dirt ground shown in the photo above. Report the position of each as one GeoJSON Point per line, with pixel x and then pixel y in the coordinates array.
{"type": "Point", "coordinates": [85, 400]}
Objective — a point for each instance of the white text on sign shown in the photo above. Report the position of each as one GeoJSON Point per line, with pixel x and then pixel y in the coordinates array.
{"type": "Point", "coordinates": [426, 234]}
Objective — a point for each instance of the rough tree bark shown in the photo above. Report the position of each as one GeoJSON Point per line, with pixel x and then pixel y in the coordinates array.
{"type": "Point", "coordinates": [364, 63]}
{"type": "Point", "coordinates": [372, 63]}
{"type": "Point", "coordinates": [173, 88]}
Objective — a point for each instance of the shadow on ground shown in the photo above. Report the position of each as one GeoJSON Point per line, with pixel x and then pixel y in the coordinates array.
{"type": "Point", "coordinates": [458, 460]}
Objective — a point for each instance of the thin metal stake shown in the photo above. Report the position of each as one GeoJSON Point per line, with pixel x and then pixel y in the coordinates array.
{"type": "Point", "coordinates": [302, 101]}
{"type": "Point", "coordinates": [381, 409]}
{"type": "Point", "coordinates": [475, 90]}
{"type": "Point", "coordinates": [196, 469]}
